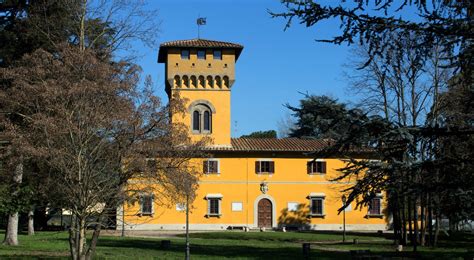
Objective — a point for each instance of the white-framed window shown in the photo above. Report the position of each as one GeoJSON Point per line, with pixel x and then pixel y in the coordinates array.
{"type": "Point", "coordinates": [237, 206]}
{"type": "Point", "coordinates": [293, 206]}
{"type": "Point", "coordinates": [146, 204]}
{"type": "Point", "coordinates": [316, 204]}
{"type": "Point", "coordinates": [375, 206]}
{"type": "Point", "coordinates": [211, 166]}
{"type": "Point", "coordinates": [316, 167]}
{"type": "Point", "coordinates": [214, 202]}
{"type": "Point", "coordinates": [265, 167]}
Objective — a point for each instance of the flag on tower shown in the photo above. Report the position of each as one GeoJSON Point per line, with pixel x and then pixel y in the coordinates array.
{"type": "Point", "coordinates": [201, 21]}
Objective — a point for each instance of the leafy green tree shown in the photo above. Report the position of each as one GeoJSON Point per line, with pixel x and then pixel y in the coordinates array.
{"type": "Point", "coordinates": [261, 134]}
{"type": "Point", "coordinates": [323, 117]}
{"type": "Point", "coordinates": [408, 136]}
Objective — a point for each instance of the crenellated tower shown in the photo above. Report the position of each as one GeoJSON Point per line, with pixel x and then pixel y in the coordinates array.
{"type": "Point", "coordinates": [203, 72]}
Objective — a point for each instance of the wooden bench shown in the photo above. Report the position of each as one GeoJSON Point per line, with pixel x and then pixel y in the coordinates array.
{"type": "Point", "coordinates": [236, 227]}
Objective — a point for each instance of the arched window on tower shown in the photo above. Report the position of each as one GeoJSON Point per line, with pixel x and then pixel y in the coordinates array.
{"type": "Point", "coordinates": [218, 82]}
{"type": "Point", "coordinates": [207, 121]}
{"type": "Point", "coordinates": [177, 81]}
{"type": "Point", "coordinates": [201, 119]}
{"type": "Point", "coordinates": [186, 81]}
{"type": "Point", "coordinates": [196, 121]}
{"type": "Point", "coordinates": [193, 81]}
{"type": "Point", "coordinates": [210, 81]}
{"type": "Point", "coordinates": [202, 82]}
{"type": "Point", "coordinates": [226, 81]}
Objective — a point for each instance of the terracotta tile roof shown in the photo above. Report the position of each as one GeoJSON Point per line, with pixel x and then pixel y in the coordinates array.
{"type": "Point", "coordinates": [201, 43]}
{"type": "Point", "coordinates": [274, 144]}
{"type": "Point", "coordinates": [198, 43]}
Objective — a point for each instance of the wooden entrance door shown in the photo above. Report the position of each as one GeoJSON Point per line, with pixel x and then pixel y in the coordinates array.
{"type": "Point", "coordinates": [265, 213]}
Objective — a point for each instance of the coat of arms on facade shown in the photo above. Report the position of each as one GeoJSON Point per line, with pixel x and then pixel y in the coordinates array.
{"type": "Point", "coordinates": [264, 187]}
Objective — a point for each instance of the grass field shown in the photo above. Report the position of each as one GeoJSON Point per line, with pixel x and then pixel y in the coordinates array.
{"type": "Point", "coordinates": [236, 245]}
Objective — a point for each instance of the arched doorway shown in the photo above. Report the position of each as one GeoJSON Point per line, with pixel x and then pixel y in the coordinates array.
{"type": "Point", "coordinates": [265, 213]}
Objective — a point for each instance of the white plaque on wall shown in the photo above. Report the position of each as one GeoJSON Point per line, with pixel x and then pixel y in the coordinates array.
{"type": "Point", "coordinates": [292, 206]}
{"type": "Point", "coordinates": [237, 206]}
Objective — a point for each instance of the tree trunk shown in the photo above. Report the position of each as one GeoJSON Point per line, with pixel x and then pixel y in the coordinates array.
{"type": "Point", "coordinates": [95, 236]}
{"type": "Point", "coordinates": [415, 226]}
{"type": "Point", "coordinates": [77, 238]}
{"type": "Point", "coordinates": [11, 236]}
{"type": "Point", "coordinates": [423, 225]}
{"type": "Point", "coordinates": [438, 219]}
{"type": "Point", "coordinates": [410, 227]}
{"type": "Point", "coordinates": [404, 223]}
{"type": "Point", "coordinates": [430, 221]}
{"type": "Point", "coordinates": [72, 238]}
{"type": "Point", "coordinates": [31, 222]}
{"type": "Point", "coordinates": [81, 242]}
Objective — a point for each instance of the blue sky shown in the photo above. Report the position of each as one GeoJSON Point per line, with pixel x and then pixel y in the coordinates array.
{"type": "Point", "coordinates": [274, 66]}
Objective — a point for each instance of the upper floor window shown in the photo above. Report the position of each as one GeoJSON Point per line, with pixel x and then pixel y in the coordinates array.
{"type": "Point", "coordinates": [185, 54]}
{"type": "Point", "coordinates": [217, 54]}
{"type": "Point", "coordinates": [211, 166]}
{"type": "Point", "coordinates": [201, 54]}
{"type": "Point", "coordinates": [265, 167]}
{"type": "Point", "coordinates": [316, 167]}
{"type": "Point", "coordinates": [201, 119]}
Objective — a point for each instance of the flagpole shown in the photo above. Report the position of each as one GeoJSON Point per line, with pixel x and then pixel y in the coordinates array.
{"type": "Point", "coordinates": [200, 21]}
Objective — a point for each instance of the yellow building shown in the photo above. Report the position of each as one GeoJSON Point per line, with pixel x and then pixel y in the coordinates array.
{"type": "Point", "coordinates": [247, 183]}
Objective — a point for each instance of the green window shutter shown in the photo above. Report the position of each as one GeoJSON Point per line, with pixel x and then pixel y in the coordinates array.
{"type": "Point", "coordinates": [323, 164]}
{"type": "Point", "coordinates": [272, 167]}
{"type": "Point", "coordinates": [308, 167]}
{"type": "Point", "coordinates": [257, 167]}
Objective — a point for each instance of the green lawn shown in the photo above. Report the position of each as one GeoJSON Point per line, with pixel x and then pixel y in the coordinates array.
{"type": "Point", "coordinates": [218, 245]}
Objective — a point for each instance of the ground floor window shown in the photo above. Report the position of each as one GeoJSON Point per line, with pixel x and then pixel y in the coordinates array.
{"type": "Point", "coordinates": [317, 206]}
{"type": "Point", "coordinates": [214, 205]}
{"type": "Point", "coordinates": [146, 204]}
{"type": "Point", "coordinates": [375, 206]}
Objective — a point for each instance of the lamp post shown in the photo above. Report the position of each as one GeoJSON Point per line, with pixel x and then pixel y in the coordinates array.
{"type": "Point", "coordinates": [187, 255]}
{"type": "Point", "coordinates": [343, 198]}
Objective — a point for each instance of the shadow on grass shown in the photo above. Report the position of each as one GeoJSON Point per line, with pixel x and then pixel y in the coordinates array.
{"type": "Point", "coordinates": [225, 250]}
{"type": "Point", "coordinates": [29, 257]}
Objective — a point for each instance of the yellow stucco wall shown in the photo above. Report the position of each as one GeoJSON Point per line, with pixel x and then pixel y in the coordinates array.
{"type": "Point", "coordinates": [217, 96]}
{"type": "Point", "coordinates": [177, 66]}
{"type": "Point", "coordinates": [221, 120]}
{"type": "Point", "coordinates": [238, 182]}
